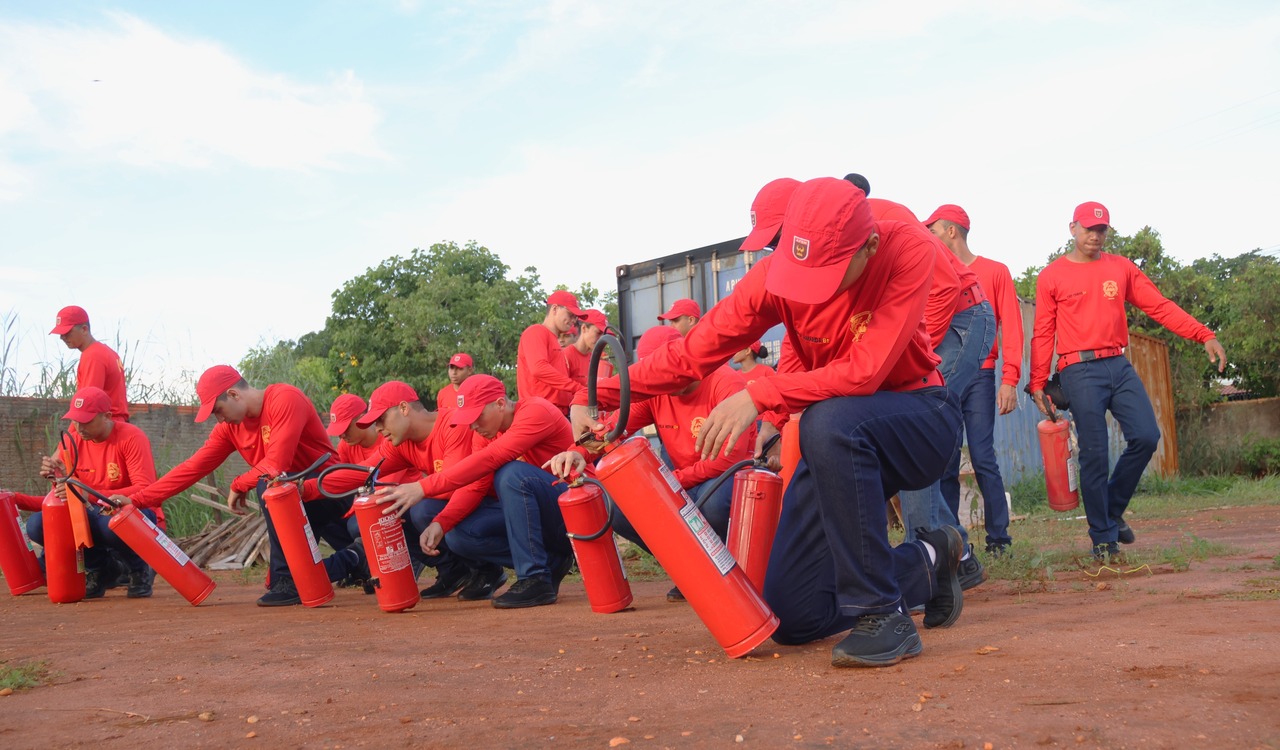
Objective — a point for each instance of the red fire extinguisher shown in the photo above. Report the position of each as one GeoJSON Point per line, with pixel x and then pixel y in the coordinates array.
{"type": "Point", "coordinates": [155, 548]}
{"type": "Point", "coordinates": [301, 551]}
{"type": "Point", "coordinates": [385, 545]}
{"type": "Point", "coordinates": [1059, 473]}
{"type": "Point", "coordinates": [790, 449]}
{"type": "Point", "coordinates": [586, 519]}
{"type": "Point", "coordinates": [676, 531]}
{"type": "Point", "coordinates": [63, 558]}
{"type": "Point", "coordinates": [753, 517]}
{"type": "Point", "coordinates": [17, 558]}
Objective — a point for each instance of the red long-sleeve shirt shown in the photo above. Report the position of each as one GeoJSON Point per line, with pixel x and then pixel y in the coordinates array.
{"type": "Point", "coordinates": [1081, 305]}
{"type": "Point", "coordinates": [757, 372]}
{"type": "Point", "coordinates": [578, 363]}
{"type": "Point", "coordinates": [538, 431]}
{"type": "Point", "coordinates": [446, 398]}
{"type": "Point", "coordinates": [100, 366]}
{"type": "Point", "coordinates": [286, 437]}
{"type": "Point", "coordinates": [950, 276]}
{"type": "Point", "coordinates": [997, 283]}
{"type": "Point", "coordinates": [678, 420]}
{"type": "Point", "coordinates": [541, 369]}
{"type": "Point", "coordinates": [869, 338]}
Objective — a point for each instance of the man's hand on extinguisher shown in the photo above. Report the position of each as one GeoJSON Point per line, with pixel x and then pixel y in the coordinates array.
{"type": "Point", "coordinates": [774, 459]}
{"type": "Point", "coordinates": [565, 464]}
{"type": "Point", "coordinates": [431, 538]}
{"type": "Point", "coordinates": [582, 423]}
{"type": "Point", "coordinates": [402, 497]}
{"type": "Point", "coordinates": [725, 424]}
{"type": "Point", "coordinates": [1045, 403]}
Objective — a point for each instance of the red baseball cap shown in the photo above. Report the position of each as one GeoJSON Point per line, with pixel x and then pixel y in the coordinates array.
{"type": "Point", "coordinates": [595, 318]}
{"type": "Point", "coordinates": [461, 359]}
{"type": "Point", "coordinates": [767, 211]}
{"type": "Point", "coordinates": [87, 403]}
{"type": "Point", "coordinates": [1091, 214]}
{"type": "Point", "coordinates": [655, 338]}
{"type": "Point", "coordinates": [69, 317]}
{"type": "Point", "coordinates": [389, 394]}
{"type": "Point", "coordinates": [682, 307]}
{"type": "Point", "coordinates": [828, 220]}
{"type": "Point", "coordinates": [213, 383]}
{"type": "Point", "coordinates": [567, 300]}
{"type": "Point", "coordinates": [344, 409]}
{"type": "Point", "coordinates": [949, 212]}
{"type": "Point", "coordinates": [475, 393]}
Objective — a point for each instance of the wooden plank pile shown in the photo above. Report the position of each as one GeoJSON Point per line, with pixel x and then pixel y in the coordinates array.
{"type": "Point", "coordinates": [232, 544]}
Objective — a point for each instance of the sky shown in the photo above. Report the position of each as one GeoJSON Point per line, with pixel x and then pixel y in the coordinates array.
{"type": "Point", "coordinates": [201, 177]}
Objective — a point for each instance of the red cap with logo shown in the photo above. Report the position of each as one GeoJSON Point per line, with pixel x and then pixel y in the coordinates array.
{"type": "Point", "coordinates": [567, 300]}
{"type": "Point", "coordinates": [654, 339]}
{"type": "Point", "coordinates": [389, 394]}
{"type": "Point", "coordinates": [949, 212]}
{"type": "Point", "coordinates": [828, 220]}
{"type": "Point", "coordinates": [69, 317]}
{"type": "Point", "coordinates": [1091, 214]}
{"type": "Point", "coordinates": [461, 359]}
{"type": "Point", "coordinates": [767, 211]}
{"type": "Point", "coordinates": [682, 307]}
{"type": "Point", "coordinates": [344, 409]}
{"type": "Point", "coordinates": [87, 403]}
{"type": "Point", "coordinates": [596, 318]}
{"type": "Point", "coordinates": [213, 383]}
{"type": "Point", "coordinates": [475, 393]}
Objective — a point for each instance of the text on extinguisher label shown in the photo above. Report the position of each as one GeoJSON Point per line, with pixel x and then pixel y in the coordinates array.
{"type": "Point", "coordinates": [167, 544]}
{"type": "Point", "coordinates": [22, 527]}
{"type": "Point", "coordinates": [706, 537]}
{"type": "Point", "coordinates": [311, 538]}
{"type": "Point", "coordinates": [390, 544]}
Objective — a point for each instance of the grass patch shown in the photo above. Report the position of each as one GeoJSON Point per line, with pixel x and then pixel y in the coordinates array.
{"type": "Point", "coordinates": [640, 565]}
{"type": "Point", "coordinates": [1190, 548]}
{"type": "Point", "coordinates": [23, 676]}
{"type": "Point", "coordinates": [1263, 589]}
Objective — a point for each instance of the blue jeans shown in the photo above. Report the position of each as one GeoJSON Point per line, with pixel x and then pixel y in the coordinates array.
{"type": "Point", "coordinates": [104, 539]}
{"type": "Point", "coordinates": [831, 560]}
{"type": "Point", "coordinates": [449, 563]}
{"type": "Point", "coordinates": [1094, 387]}
{"type": "Point", "coordinates": [978, 405]}
{"type": "Point", "coordinates": [967, 343]}
{"type": "Point", "coordinates": [523, 530]}
{"type": "Point", "coordinates": [326, 518]}
{"type": "Point", "coordinates": [715, 510]}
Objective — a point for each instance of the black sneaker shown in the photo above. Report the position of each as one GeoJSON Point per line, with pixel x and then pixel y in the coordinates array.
{"type": "Point", "coordinates": [527, 592]}
{"type": "Point", "coordinates": [283, 593]}
{"type": "Point", "coordinates": [971, 573]}
{"type": "Point", "coordinates": [483, 582]}
{"type": "Point", "coordinates": [140, 582]}
{"type": "Point", "coordinates": [998, 550]}
{"type": "Point", "coordinates": [560, 571]}
{"type": "Point", "coordinates": [878, 641]}
{"type": "Point", "coordinates": [1106, 552]}
{"type": "Point", "coordinates": [1124, 533]}
{"type": "Point", "coordinates": [448, 583]}
{"type": "Point", "coordinates": [674, 595]}
{"type": "Point", "coordinates": [944, 608]}
{"type": "Point", "coordinates": [95, 581]}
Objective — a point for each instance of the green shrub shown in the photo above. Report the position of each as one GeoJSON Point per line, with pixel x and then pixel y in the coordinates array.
{"type": "Point", "coordinates": [1261, 456]}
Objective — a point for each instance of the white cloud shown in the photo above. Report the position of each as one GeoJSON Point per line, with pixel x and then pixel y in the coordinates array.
{"type": "Point", "coordinates": [127, 91]}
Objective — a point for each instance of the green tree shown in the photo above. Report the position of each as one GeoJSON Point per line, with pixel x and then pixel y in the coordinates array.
{"type": "Point", "coordinates": [284, 362]}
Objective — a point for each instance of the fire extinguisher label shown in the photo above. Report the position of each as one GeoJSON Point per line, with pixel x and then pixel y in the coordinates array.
{"type": "Point", "coordinates": [22, 527]}
{"type": "Point", "coordinates": [311, 537]}
{"type": "Point", "coordinates": [1073, 475]}
{"type": "Point", "coordinates": [391, 545]}
{"type": "Point", "coordinates": [711, 543]}
{"type": "Point", "coordinates": [166, 543]}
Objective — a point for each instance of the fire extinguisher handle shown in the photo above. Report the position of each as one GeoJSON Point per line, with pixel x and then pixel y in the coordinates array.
{"type": "Point", "coordinates": [300, 474]}
{"type": "Point", "coordinates": [764, 449]}
{"type": "Point", "coordinates": [624, 387]}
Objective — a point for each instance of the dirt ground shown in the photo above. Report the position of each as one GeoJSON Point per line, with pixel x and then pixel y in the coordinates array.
{"type": "Point", "coordinates": [1150, 659]}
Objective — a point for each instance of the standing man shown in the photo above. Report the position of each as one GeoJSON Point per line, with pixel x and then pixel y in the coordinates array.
{"type": "Point", "coordinates": [683, 315]}
{"type": "Point", "coordinates": [541, 369]}
{"type": "Point", "coordinates": [113, 458]}
{"type": "Point", "coordinates": [99, 365]}
{"type": "Point", "coordinates": [1080, 309]}
{"type": "Point", "coordinates": [577, 355]}
{"type": "Point", "coordinates": [851, 292]}
{"type": "Point", "coordinates": [980, 400]}
{"type": "Point", "coordinates": [461, 367]}
{"type": "Point", "coordinates": [276, 431]}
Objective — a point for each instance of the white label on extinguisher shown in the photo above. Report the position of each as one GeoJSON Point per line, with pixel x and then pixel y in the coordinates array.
{"type": "Point", "coordinates": [311, 538]}
{"type": "Point", "coordinates": [166, 543]}
{"type": "Point", "coordinates": [391, 545]}
{"type": "Point", "coordinates": [1073, 474]}
{"type": "Point", "coordinates": [22, 527]}
{"type": "Point", "coordinates": [672, 482]}
{"type": "Point", "coordinates": [703, 532]}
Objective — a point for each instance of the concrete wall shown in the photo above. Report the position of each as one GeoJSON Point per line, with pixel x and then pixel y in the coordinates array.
{"type": "Point", "coordinates": [29, 428]}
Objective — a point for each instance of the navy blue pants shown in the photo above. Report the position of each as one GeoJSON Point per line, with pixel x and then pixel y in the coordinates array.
{"type": "Point", "coordinates": [524, 530]}
{"type": "Point", "coordinates": [448, 564]}
{"type": "Point", "coordinates": [978, 405]}
{"type": "Point", "coordinates": [326, 518]}
{"type": "Point", "coordinates": [1093, 388]}
{"type": "Point", "coordinates": [832, 561]}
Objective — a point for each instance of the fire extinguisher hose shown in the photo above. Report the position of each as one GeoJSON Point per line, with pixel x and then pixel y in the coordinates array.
{"type": "Point", "coordinates": [757, 461]}
{"type": "Point", "coordinates": [371, 471]}
{"type": "Point", "coordinates": [302, 474]}
{"type": "Point", "coordinates": [624, 386]}
{"type": "Point", "coordinates": [102, 500]}
{"type": "Point", "coordinates": [608, 514]}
